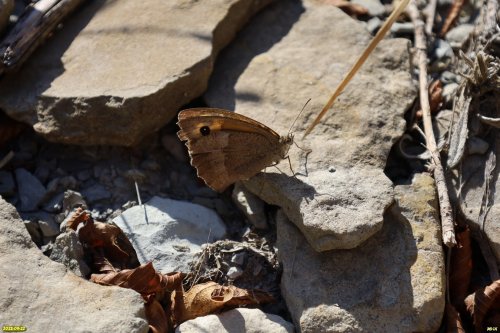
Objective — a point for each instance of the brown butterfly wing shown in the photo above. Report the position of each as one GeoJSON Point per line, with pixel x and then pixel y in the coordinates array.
{"type": "Point", "coordinates": [234, 147]}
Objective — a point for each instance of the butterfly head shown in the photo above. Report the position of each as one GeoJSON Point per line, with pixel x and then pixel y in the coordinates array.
{"type": "Point", "coordinates": [285, 143]}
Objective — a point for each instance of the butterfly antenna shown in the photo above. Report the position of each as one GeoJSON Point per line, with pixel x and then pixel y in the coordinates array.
{"type": "Point", "coordinates": [291, 127]}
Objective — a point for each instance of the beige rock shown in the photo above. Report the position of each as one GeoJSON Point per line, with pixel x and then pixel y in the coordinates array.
{"type": "Point", "coordinates": [340, 193]}
{"type": "Point", "coordinates": [121, 69]}
{"type": "Point", "coordinates": [44, 296]}
{"type": "Point", "coordinates": [237, 320]}
{"type": "Point", "coordinates": [394, 282]}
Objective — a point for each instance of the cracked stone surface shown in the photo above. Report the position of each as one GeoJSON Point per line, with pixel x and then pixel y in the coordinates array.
{"type": "Point", "coordinates": [119, 70]}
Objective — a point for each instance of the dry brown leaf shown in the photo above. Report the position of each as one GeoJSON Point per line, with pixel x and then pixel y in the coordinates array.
{"type": "Point", "coordinates": [106, 240]}
{"type": "Point", "coordinates": [481, 302]}
{"type": "Point", "coordinates": [143, 279]}
{"type": "Point", "coordinates": [452, 16]}
{"type": "Point", "coordinates": [77, 217]}
{"type": "Point", "coordinates": [156, 316]}
{"type": "Point", "coordinates": [460, 269]}
{"type": "Point", "coordinates": [453, 321]}
{"type": "Point", "coordinates": [347, 7]}
{"type": "Point", "coordinates": [435, 95]}
{"type": "Point", "coordinates": [210, 297]}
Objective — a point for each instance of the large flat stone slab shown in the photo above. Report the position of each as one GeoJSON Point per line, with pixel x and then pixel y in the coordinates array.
{"type": "Point", "coordinates": [118, 70]}
{"type": "Point", "coordinates": [393, 282]}
{"type": "Point", "coordinates": [44, 296]}
{"type": "Point", "coordinates": [295, 51]}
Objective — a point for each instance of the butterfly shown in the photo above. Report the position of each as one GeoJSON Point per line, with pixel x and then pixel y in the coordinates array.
{"type": "Point", "coordinates": [226, 147]}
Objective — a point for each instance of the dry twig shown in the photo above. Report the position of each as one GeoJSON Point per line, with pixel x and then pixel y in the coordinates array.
{"type": "Point", "coordinates": [421, 55]}
{"type": "Point", "coordinates": [452, 16]}
{"type": "Point", "coordinates": [35, 25]}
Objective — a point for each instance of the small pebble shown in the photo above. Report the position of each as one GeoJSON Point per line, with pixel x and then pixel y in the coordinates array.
{"type": "Point", "coordinates": [373, 25]}
{"type": "Point", "coordinates": [31, 191]}
{"type": "Point", "coordinates": [234, 272]}
{"type": "Point", "coordinates": [96, 193]}
{"type": "Point", "coordinates": [449, 92]}
{"type": "Point", "coordinates": [238, 258]}
{"type": "Point", "coordinates": [405, 28]}
{"type": "Point", "coordinates": [443, 49]}
{"type": "Point", "coordinates": [458, 35]}
{"type": "Point", "coordinates": [449, 77]}
{"type": "Point", "coordinates": [375, 7]}
{"type": "Point", "coordinates": [83, 175]}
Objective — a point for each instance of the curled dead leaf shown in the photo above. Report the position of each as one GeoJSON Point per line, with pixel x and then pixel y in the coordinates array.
{"type": "Point", "coordinates": [483, 305]}
{"type": "Point", "coordinates": [105, 239]}
{"type": "Point", "coordinates": [156, 316]}
{"type": "Point", "coordinates": [143, 279]}
{"type": "Point", "coordinates": [210, 297]}
{"type": "Point", "coordinates": [435, 95]}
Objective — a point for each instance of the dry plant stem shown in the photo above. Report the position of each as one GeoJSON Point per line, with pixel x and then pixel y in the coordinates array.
{"type": "Point", "coordinates": [421, 55]}
{"type": "Point", "coordinates": [34, 26]}
{"type": "Point", "coordinates": [430, 12]}
{"type": "Point", "coordinates": [359, 62]}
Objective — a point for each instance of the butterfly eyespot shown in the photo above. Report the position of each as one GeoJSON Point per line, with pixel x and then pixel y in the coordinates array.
{"type": "Point", "coordinates": [205, 130]}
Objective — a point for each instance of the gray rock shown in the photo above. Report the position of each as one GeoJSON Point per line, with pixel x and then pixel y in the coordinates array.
{"type": "Point", "coordinates": [110, 103]}
{"type": "Point", "coordinates": [459, 34]}
{"type": "Point", "coordinates": [251, 205]}
{"type": "Point", "coordinates": [95, 193]}
{"type": "Point", "coordinates": [394, 282]}
{"type": "Point", "coordinates": [83, 175]}
{"type": "Point", "coordinates": [34, 231]}
{"type": "Point", "coordinates": [449, 92]}
{"type": "Point", "coordinates": [54, 204]}
{"type": "Point", "coordinates": [6, 8]}
{"type": "Point", "coordinates": [473, 183]}
{"type": "Point", "coordinates": [404, 28]}
{"type": "Point", "coordinates": [169, 232]}
{"type": "Point", "coordinates": [443, 50]}
{"type": "Point", "coordinates": [237, 320]}
{"type": "Point", "coordinates": [334, 210]}
{"type": "Point", "coordinates": [238, 258]}
{"type": "Point", "coordinates": [375, 7]}
{"type": "Point", "coordinates": [72, 200]}
{"type": "Point", "coordinates": [234, 272]}
{"type": "Point", "coordinates": [68, 251]}
{"type": "Point", "coordinates": [41, 285]}
{"type": "Point", "coordinates": [373, 25]}
{"type": "Point", "coordinates": [62, 184]}
{"type": "Point", "coordinates": [31, 190]}
{"type": "Point", "coordinates": [7, 185]}
{"type": "Point", "coordinates": [48, 226]}
{"type": "Point", "coordinates": [449, 77]}
{"type": "Point", "coordinates": [44, 169]}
